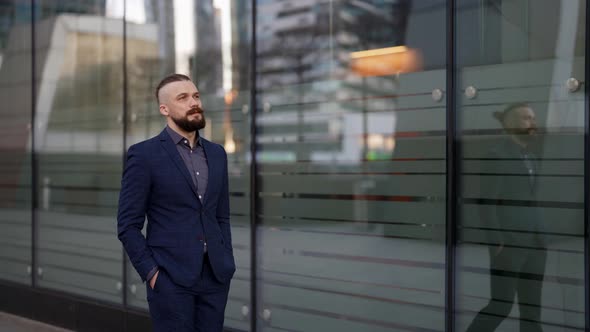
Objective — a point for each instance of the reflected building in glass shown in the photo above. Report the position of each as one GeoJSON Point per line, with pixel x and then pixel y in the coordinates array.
{"type": "Point", "coordinates": [394, 165]}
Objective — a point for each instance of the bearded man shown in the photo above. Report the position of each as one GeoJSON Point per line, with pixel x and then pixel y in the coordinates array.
{"type": "Point", "coordinates": [179, 181]}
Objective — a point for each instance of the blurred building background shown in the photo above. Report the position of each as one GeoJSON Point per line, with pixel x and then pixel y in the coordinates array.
{"type": "Point", "coordinates": [358, 133]}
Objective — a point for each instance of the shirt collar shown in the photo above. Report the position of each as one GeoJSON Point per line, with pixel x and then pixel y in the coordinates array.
{"type": "Point", "coordinates": [177, 138]}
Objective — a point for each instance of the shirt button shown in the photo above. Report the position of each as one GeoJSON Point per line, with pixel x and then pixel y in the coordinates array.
{"type": "Point", "coordinates": [198, 173]}
{"type": "Point", "coordinates": [185, 141]}
{"type": "Point", "coordinates": [200, 197]}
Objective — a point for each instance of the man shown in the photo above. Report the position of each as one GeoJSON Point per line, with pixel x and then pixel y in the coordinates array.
{"type": "Point", "coordinates": [517, 249]}
{"type": "Point", "coordinates": [179, 181]}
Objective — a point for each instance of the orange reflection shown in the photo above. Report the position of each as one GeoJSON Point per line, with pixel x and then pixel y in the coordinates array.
{"type": "Point", "coordinates": [386, 61]}
{"type": "Point", "coordinates": [229, 144]}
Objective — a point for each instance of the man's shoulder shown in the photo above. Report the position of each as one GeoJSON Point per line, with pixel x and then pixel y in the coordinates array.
{"type": "Point", "coordinates": [145, 145]}
{"type": "Point", "coordinates": [218, 148]}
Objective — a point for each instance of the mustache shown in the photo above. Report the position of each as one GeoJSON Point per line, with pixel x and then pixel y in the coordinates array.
{"type": "Point", "coordinates": [195, 110]}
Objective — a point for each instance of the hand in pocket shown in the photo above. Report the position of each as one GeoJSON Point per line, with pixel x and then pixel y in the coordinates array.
{"type": "Point", "coordinates": [153, 280]}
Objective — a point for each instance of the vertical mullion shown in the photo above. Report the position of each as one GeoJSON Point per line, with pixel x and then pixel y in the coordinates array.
{"type": "Point", "coordinates": [586, 176]}
{"type": "Point", "coordinates": [124, 122]}
{"type": "Point", "coordinates": [253, 176]}
{"type": "Point", "coordinates": [452, 181]}
{"type": "Point", "coordinates": [34, 166]}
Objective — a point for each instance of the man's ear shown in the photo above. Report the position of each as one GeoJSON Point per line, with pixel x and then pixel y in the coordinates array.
{"type": "Point", "coordinates": [164, 109]}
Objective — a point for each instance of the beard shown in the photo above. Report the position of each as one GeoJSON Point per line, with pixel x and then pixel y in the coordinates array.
{"type": "Point", "coordinates": [527, 135]}
{"type": "Point", "coordinates": [191, 125]}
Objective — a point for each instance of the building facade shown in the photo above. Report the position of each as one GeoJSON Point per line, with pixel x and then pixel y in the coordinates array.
{"type": "Point", "coordinates": [395, 165]}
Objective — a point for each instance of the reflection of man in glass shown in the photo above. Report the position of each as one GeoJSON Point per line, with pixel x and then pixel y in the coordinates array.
{"type": "Point", "coordinates": [517, 252]}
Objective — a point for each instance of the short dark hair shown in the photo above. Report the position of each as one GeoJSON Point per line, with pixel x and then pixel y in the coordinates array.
{"type": "Point", "coordinates": [503, 115]}
{"type": "Point", "coordinates": [169, 79]}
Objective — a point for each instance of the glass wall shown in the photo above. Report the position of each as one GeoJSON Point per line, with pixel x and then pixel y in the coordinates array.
{"type": "Point", "coordinates": [351, 151]}
{"type": "Point", "coordinates": [150, 55]}
{"type": "Point", "coordinates": [351, 165]}
{"type": "Point", "coordinates": [15, 141]}
{"type": "Point", "coordinates": [78, 145]}
{"type": "Point", "coordinates": [521, 227]}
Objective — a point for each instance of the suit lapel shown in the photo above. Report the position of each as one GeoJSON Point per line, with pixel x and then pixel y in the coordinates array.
{"type": "Point", "coordinates": [170, 148]}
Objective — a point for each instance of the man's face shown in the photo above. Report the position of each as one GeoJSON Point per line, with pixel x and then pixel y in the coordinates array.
{"type": "Point", "coordinates": [181, 103]}
{"type": "Point", "coordinates": [526, 121]}
{"type": "Point", "coordinates": [523, 122]}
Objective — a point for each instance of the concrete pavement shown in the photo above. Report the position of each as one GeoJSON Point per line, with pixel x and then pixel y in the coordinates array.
{"type": "Point", "coordinates": [12, 323]}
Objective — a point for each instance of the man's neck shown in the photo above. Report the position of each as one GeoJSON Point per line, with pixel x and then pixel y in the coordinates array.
{"type": "Point", "coordinates": [519, 141]}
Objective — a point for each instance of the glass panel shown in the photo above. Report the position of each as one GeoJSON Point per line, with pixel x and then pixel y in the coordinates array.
{"type": "Point", "coordinates": [521, 228]}
{"type": "Point", "coordinates": [211, 43]}
{"type": "Point", "coordinates": [15, 141]}
{"type": "Point", "coordinates": [150, 57]}
{"type": "Point", "coordinates": [222, 70]}
{"type": "Point", "coordinates": [79, 48]}
{"type": "Point", "coordinates": [351, 160]}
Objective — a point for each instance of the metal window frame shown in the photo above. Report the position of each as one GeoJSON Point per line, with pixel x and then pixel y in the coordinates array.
{"type": "Point", "coordinates": [586, 168]}
{"type": "Point", "coordinates": [125, 111]}
{"type": "Point", "coordinates": [34, 162]}
{"type": "Point", "coordinates": [253, 175]}
{"type": "Point", "coordinates": [453, 172]}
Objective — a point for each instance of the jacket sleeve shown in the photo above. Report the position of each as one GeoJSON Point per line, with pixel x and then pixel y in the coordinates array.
{"type": "Point", "coordinates": [133, 203]}
{"type": "Point", "coordinates": [222, 212]}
